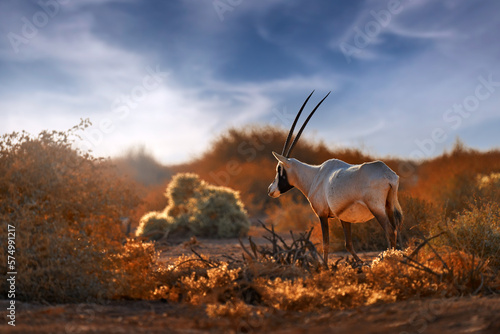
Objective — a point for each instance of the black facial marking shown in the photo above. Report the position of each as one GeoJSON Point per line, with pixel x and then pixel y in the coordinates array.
{"type": "Point", "coordinates": [283, 185]}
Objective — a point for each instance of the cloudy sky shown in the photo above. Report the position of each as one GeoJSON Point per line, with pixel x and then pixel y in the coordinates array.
{"type": "Point", "coordinates": [407, 77]}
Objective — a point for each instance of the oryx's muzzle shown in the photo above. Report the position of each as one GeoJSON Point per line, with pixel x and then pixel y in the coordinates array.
{"type": "Point", "coordinates": [273, 191]}
{"type": "Point", "coordinates": [280, 184]}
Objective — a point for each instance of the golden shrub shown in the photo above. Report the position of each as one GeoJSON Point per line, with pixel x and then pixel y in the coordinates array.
{"type": "Point", "coordinates": [66, 207]}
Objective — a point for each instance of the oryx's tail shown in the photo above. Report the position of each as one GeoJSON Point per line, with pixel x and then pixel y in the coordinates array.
{"type": "Point", "coordinates": [393, 208]}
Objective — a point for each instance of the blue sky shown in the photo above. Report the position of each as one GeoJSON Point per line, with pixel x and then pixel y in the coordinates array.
{"type": "Point", "coordinates": [407, 77]}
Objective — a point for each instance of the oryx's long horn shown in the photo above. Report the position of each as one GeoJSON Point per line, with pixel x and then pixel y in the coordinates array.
{"type": "Point", "coordinates": [303, 126]}
{"type": "Point", "coordinates": [294, 123]}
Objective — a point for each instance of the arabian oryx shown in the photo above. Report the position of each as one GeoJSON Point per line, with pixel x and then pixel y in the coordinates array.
{"type": "Point", "coordinates": [336, 189]}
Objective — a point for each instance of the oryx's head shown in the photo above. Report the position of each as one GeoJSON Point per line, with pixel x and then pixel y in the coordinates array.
{"type": "Point", "coordinates": [281, 182]}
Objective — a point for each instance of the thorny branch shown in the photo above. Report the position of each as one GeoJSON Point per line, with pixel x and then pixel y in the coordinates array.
{"type": "Point", "coordinates": [301, 251]}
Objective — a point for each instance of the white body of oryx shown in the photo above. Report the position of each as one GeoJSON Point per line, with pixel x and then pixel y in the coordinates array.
{"type": "Point", "coordinates": [336, 189]}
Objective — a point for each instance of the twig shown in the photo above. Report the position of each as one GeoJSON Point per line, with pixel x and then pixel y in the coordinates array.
{"type": "Point", "coordinates": [274, 234]}
{"type": "Point", "coordinates": [229, 257]}
{"type": "Point", "coordinates": [211, 264]}
{"type": "Point", "coordinates": [424, 243]}
{"type": "Point", "coordinates": [301, 252]}
{"type": "Point", "coordinates": [253, 246]}
{"type": "Point", "coordinates": [480, 286]}
{"type": "Point", "coordinates": [419, 266]}
{"type": "Point", "coordinates": [246, 250]}
{"type": "Point", "coordinates": [445, 266]}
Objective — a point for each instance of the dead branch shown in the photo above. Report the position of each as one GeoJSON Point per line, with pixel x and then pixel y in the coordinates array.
{"type": "Point", "coordinates": [301, 251]}
{"type": "Point", "coordinates": [425, 242]}
{"type": "Point", "coordinates": [211, 264]}
{"type": "Point", "coordinates": [246, 250]}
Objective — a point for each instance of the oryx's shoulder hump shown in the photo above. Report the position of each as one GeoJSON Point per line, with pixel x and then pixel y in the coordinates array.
{"type": "Point", "coordinates": [377, 164]}
{"type": "Point", "coordinates": [335, 163]}
{"type": "Point", "coordinates": [378, 168]}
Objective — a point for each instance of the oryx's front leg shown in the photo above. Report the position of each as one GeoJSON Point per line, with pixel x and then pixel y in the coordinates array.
{"type": "Point", "coordinates": [348, 240]}
{"type": "Point", "coordinates": [326, 238]}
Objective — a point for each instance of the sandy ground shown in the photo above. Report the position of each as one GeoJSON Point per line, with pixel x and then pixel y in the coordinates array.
{"type": "Point", "coordinates": [458, 315]}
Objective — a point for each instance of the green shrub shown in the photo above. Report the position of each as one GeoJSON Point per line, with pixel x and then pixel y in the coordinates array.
{"type": "Point", "coordinates": [181, 192]}
{"type": "Point", "coordinates": [199, 208]}
{"type": "Point", "coordinates": [154, 225]}
{"type": "Point", "coordinates": [219, 213]}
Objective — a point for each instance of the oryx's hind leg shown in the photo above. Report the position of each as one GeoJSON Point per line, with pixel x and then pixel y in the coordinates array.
{"type": "Point", "coordinates": [326, 238]}
{"type": "Point", "coordinates": [348, 240]}
{"type": "Point", "coordinates": [390, 231]}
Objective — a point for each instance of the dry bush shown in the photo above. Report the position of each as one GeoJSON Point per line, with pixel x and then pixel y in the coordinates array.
{"type": "Point", "coordinates": [488, 188]}
{"type": "Point", "coordinates": [136, 268]}
{"type": "Point", "coordinates": [450, 179]}
{"type": "Point", "coordinates": [301, 251]}
{"type": "Point", "coordinates": [477, 231]}
{"type": "Point", "coordinates": [66, 208]}
{"type": "Point", "coordinates": [199, 208]}
{"type": "Point", "coordinates": [420, 216]}
{"type": "Point", "coordinates": [467, 188]}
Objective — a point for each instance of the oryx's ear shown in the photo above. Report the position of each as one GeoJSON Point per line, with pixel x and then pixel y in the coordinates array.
{"type": "Point", "coordinates": [282, 159]}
